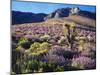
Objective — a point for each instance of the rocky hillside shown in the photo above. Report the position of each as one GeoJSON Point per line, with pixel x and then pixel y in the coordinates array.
{"type": "Point", "coordinates": [65, 12]}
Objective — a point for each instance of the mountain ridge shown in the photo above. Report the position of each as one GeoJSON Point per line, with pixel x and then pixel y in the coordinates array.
{"type": "Point", "coordinates": [26, 17]}
{"type": "Point", "coordinates": [29, 17]}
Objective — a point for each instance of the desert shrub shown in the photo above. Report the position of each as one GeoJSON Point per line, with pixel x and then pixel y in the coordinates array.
{"type": "Point", "coordinates": [51, 67]}
{"type": "Point", "coordinates": [16, 61]}
{"type": "Point", "coordinates": [34, 46]}
{"type": "Point", "coordinates": [24, 69]}
{"type": "Point", "coordinates": [45, 45]}
{"type": "Point", "coordinates": [20, 48]}
{"type": "Point", "coordinates": [23, 43]}
{"type": "Point", "coordinates": [83, 63]}
{"type": "Point", "coordinates": [34, 66]}
{"type": "Point", "coordinates": [39, 48]}
{"type": "Point", "coordinates": [81, 45]}
{"type": "Point", "coordinates": [23, 40]}
{"type": "Point", "coordinates": [30, 66]}
{"type": "Point", "coordinates": [45, 38]}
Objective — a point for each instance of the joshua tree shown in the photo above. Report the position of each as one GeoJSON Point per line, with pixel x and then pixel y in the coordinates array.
{"type": "Point", "coordinates": [70, 34]}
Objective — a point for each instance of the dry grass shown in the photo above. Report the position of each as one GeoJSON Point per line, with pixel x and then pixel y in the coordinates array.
{"type": "Point", "coordinates": [82, 20]}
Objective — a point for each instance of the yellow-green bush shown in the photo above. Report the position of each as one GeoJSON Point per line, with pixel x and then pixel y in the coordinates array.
{"type": "Point", "coordinates": [39, 48]}
{"type": "Point", "coordinates": [23, 40]}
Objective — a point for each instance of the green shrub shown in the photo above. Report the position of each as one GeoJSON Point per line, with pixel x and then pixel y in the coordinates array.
{"type": "Point", "coordinates": [34, 46]}
{"type": "Point", "coordinates": [45, 38]}
{"type": "Point", "coordinates": [45, 45]}
{"type": "Point", "coordinates": [23, 40]}
{"type": "Point", "coordinates": [59, 68]}
{"type": "Point", "coordinates": [19, 48]}
{"type": "Point", "coordinates": [39, 48]}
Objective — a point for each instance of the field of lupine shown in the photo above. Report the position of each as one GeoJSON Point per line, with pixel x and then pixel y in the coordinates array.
{"type": "Point", "coordinates": [41, 47]}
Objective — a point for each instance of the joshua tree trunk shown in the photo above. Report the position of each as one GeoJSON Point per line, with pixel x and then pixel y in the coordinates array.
{"type": "Point", "coordinates": [70, 35]}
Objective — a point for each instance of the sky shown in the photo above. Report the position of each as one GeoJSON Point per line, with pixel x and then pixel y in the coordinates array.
{"type": "Point", "coordinates": [40, 7]}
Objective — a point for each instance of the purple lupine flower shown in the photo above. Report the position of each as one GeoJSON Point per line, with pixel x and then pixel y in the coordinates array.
{"type": "Point", "coordinates": [54, 58]}
{"type": "Point", "coordinates": [84, 63]}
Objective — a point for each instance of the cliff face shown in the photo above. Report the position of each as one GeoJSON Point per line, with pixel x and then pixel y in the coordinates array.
{"type": "Point", "coordinates": [65, 12]}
